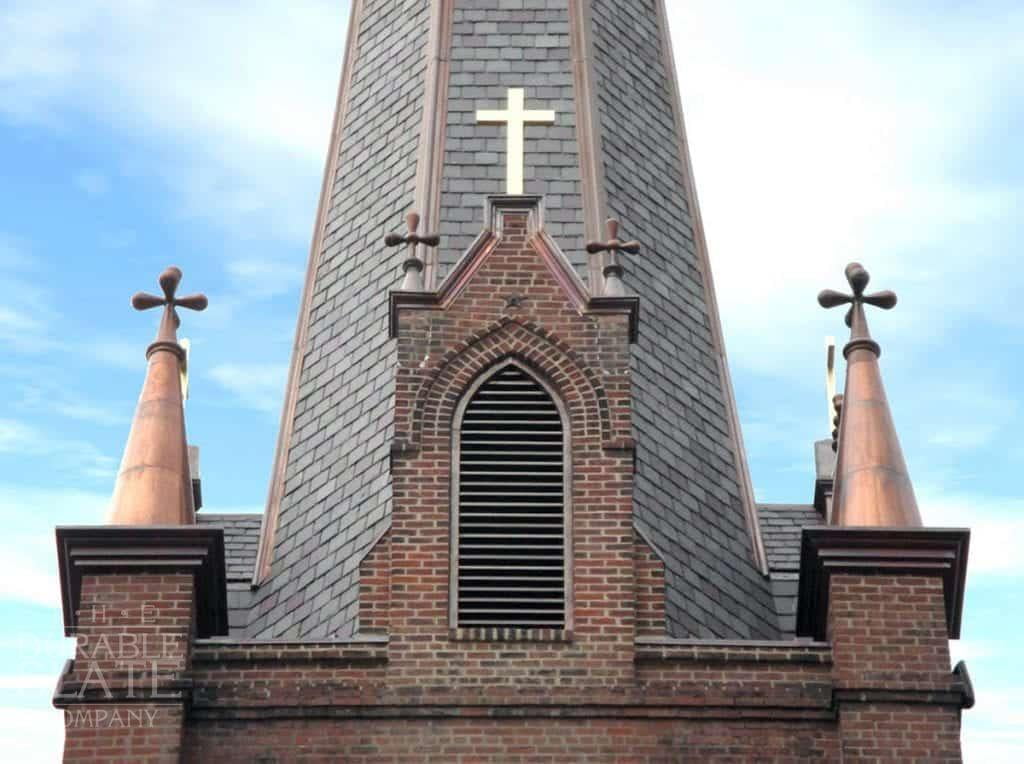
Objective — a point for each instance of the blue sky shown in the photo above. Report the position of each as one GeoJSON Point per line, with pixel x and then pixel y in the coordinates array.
{"type": "Point", "coordinates": [138, 133]}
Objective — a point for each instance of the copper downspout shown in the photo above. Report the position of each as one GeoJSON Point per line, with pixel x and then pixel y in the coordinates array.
{"type": "Point", "coordinates": [154, 486]}
{"type": "Point", "coordinates": [872, 485]}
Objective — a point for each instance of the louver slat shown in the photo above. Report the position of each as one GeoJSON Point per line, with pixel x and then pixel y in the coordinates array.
{"type": "Point", "coordinates": [511, 523]}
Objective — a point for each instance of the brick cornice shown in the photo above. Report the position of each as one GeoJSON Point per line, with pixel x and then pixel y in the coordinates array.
{"type": "Point", "coordinates": [827, 551]}
{"type": "Point", "coordinates": [85, 550]}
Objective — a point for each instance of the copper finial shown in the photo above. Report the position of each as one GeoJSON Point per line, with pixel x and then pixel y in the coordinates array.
{"type": "Point", "coordinates": [872, 486]}
{"type": "Point", "coordinates": [169, 323]}
{"type": "Point", "coordinates": [413, 265]}
{"type": "Point", "coordinates": [154, 484]}
{"type": "Point", "coordinates": [613, 270]}
{"type": "Point", "coordinates": [858, 278]}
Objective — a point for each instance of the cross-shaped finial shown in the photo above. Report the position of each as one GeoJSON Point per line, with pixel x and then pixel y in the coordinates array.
{"type": "Point", "coordinates": [413, 266]}
{"type": "Point", "coordinates": [613, 270]}
{"type": "Point", "coordinates": [858, 279]}
{"type": "Point", "coordinates": [169, 323]}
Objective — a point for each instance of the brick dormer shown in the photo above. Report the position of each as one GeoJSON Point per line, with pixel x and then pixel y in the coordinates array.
{"type": "Point", "coordinates": [514, 302]}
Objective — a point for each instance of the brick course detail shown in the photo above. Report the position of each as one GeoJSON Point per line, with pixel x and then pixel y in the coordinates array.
{"type": "Point", "coordinates": [617, 687]}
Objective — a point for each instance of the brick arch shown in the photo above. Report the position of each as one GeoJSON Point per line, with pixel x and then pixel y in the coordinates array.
{"type": "Point", "coordinates": [538, 351]}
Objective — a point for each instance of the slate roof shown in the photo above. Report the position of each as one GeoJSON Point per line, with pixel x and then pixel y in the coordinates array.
{"type": "Point", "coordinates": [336, 499]}
{"type": "Point", "coordinates": [781, 526]}
{"type": "Point", "coordinates": [241, 538]}
{"type": "Point", "coordinates": [687, 497]}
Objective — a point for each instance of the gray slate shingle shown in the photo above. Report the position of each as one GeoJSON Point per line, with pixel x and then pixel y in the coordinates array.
{"type": "Point", "coordinates": [687, 498]}
{"type": "Point", "coordinates": [241, 539]}
{"type": "Point", "coordinates": [781, 527]}
{"type": "Point", "coordinates": [337, 495]}
{"type": "Point", "coordinates": [337, 492]}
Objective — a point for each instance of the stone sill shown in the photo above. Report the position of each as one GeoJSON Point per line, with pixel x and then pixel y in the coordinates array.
{"type": "Point", "coordinates": [733, 651]}
{"type": "Point", "coordinates": [370, 648]}
{"type": "Point", "coordinates": [479, 634]}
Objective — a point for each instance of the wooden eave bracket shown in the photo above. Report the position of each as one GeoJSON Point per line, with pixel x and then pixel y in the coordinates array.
{"type": "Point", "coordinates": [940, 552]}
{"type": "Point", "coordinates": [564, 273]}
{"type": "Point", "coordinates": [83, 550]}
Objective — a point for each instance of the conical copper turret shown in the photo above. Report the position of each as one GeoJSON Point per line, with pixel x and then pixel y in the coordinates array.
{"type": "Point", "coordinates": [872, 485]}
{"type": "Point", "coordinates": [154, 486]}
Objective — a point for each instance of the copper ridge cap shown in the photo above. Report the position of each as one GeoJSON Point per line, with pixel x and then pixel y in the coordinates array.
{"type": "Point", "coordinates": [154, 485]}
{"type": "Point", "coordinates": [872, 484]}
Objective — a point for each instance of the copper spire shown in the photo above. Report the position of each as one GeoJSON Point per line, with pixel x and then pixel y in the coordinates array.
{"type": "Point", "coordinates": [413, 265]}
{"type": "Point", "coordinates": [154, 486]}
{"type": "Point", "coordinates": [872, 486]}
{"type": "Point", "coordinates": [613, 271]}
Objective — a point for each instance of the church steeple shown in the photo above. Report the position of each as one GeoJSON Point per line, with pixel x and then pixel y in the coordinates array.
{"type": "Point", "coordinates": [595, 119]}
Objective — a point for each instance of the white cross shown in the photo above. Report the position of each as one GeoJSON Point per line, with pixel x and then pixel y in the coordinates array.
{"type": "Point", "coordinates": [516, 117]}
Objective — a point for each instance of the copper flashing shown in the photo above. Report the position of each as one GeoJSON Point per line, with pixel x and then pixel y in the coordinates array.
{"type": "Point", "coordinates": [746, 486]}
{"type": "Point", "coordinates": [84, 550]}
{"type": "Point", "coordinates": [826, 551]}
{"type": "Point", "coordinates": [431, 149]}
{"type": "Point", "coordinates": [275, 491]}
{"type": "Point", "coordinates": [497, 207]}
{"type": "Point", "coordinates": [872, 484]}
{"type": "Point", "coordinates": [588, 130]}
{"type": "Point", "coordinates": [154, 483]}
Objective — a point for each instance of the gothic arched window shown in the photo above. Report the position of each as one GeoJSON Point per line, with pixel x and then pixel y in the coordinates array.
{"type": "Point", "coordinates": [510, 497]}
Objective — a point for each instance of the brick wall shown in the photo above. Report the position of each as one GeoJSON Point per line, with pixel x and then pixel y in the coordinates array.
{"type": "Point", "coordinates": [895, 693]}
{"type": "Point", "coordinates": [585, 360]}
{"type": "Point", "coordinates": [650, 589]}
{"type": "Point", "coordinates": [615, 688]}
{"type": "Point", "coordinates": [889, 631]}
{"type": "Point", "coordinates": [458, 741]}
{"type": "Point", "coordinates": [132, 648]}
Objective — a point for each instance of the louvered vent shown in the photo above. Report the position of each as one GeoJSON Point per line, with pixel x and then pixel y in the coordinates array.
{"type": "Point", "coordinates": [511, 521]}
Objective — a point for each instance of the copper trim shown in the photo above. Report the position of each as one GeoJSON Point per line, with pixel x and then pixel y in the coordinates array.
{"type": "Point", "coordinates": [588, 131]}
{"type": "Point", "coordinates": [433, 132]}
{"type": "Point", "coordinates": [940, 552]}
{"type": "Point", "coordinates": [758, 554]}
{"type": "Point", "coordinates": [275, 491]}
{"type": "Point", "coordinates": [497, 207]}
{"type": "Point", "coordinates": [83, 550]}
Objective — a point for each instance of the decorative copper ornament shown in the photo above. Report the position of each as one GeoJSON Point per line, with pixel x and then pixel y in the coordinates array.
{"type": "Point", "coordinates": [872, 486]}
{"type": "Point", "coordinates": [413, 265]}
{"type": "Point", "coordinates": [154, 486]}
{"type": "Point", "coordinates": [613, 270]}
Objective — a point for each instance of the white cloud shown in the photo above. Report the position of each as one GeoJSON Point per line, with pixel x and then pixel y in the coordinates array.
{"type": "Point", "coordinates": [27, 681]}
{"type": "Point", "coordinates": [232, 100]}
{"type": "Point", "coordinates": [27, 542]}
{"type": "Point", "coordinates": [997, 528]}
{"type": "Point", "coordinates": [259, 278]}
{"type": "Point", "coordinates": [803, 168]}
{"type": "Point", "coordinates": [32, 735]}
{"type": "Point", "coordinates": [258, 386]}
{"type": "Point", "coordinates": [73, 458]}
{"type": "Point", "coordinates": [996, 731]}
{"type": "Point", "coordinates": [45, 395]}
